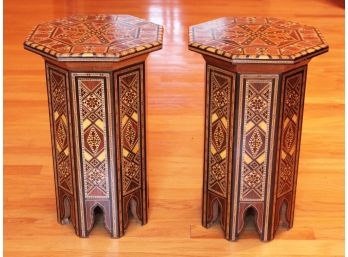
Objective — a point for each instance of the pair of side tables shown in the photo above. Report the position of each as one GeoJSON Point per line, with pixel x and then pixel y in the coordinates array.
{"type": "Point", "coordinates": [255, 86]}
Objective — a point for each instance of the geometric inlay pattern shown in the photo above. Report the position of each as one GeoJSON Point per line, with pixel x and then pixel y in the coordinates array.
{"type": "Point", "coordinates": [129, 83]}
{"type": "Point", "coordinates": [258, 101]}
{"type": "Point", "coordinates": [220, 85]}
{"type": "Point", "coordinates": [91, 101]}
{"type": "Point", "coordinates": [290, 129]}
{"type": "Point", "coordinates": [91, 36]}
{"type": "Point", "coordinates": [256, 39]}
{"type": "Point", "coordinates": [57, 83]}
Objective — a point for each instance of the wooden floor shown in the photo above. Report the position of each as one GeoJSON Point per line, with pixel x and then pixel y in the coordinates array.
{"type": "Point", "coordinates": [175, 145]}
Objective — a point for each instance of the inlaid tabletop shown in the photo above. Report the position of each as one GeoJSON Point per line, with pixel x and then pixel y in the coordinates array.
{"type": "Point", "coordinates": [256, 40]}
{"type": "Point", "coordinates": [95, 38]}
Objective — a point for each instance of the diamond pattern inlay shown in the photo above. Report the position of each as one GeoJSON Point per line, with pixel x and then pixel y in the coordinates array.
{"type": "Point", "coordinates": [59, 109]}
{"type": "Point", "coordinates": [289, 136]}
{"type": "Point", "coordinates": [61, 133]}
{"type": "Point", "coordinates": [255, 142]}
{"type": "Point", "coordinates": [289, 143]}
{"type": "Point", "coordinates": [94, 140]}
{"type": "Point", "coordinates": [130, 131]}
{"type": "Point", "coordinates": [92, 102]}
{"type": "Point", "coordinates": [255, 138]}
{"type": "Point", "coordinates": [96, 177]}
{"type": "Point", "coordinates": [130, 84]}
{"type": "Point", "coordinates": [91, 97]}
{"type": "Point", "coordinates": [219, 135]}
{"type": "Point", "coordinates": [253, 178]}
{"type": "Point", "coordinates": [220, 84]}
{"type": "Point", "coordinates": [257, 104]}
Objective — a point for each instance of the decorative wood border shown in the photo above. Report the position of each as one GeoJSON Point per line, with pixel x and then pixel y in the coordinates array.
{"type": "Point", "coordinates": [257, 59]}
{"type": "Point", "coordinates": [211, 200]}
{"type": "Point", "coordinates": [89, 204]}
{"type": "Point", "coordinates": [59, 197]}
{"type": "Point", "coordinates": [260, 206]}
{"type": "Point", "coordinates": [289, 195]}
{"type": "Point", "coordinates": [139, 195]}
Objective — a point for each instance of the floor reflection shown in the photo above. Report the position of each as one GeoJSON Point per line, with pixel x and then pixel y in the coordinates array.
{"type": "Point", "coordinates": [169, 15]}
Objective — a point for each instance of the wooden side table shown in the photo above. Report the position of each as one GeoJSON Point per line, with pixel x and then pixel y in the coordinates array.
{"type": "Point", "coordinates": [255, 87]}
{"type": "Point", "coordinates": [95, 72]}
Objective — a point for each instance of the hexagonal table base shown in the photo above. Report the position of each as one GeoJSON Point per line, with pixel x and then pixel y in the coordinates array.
{"type": "Point", "coordinates": [98, 129]}
{"type": "Point", "coordinates": [253, 125]}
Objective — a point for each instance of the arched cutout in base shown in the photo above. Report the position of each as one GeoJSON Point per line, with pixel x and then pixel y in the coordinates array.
{"type": "Point", "coordinates": [67, 211]}
{"type": "Point", "coordinates": [132, 209]}
{"type": "Point", "coordinates": [283, 219]}
{"type": "Point", "coordinates": [283, 216]}
{"type": "Point", "coordinates": [97, 215]}
{"type": "Point", "coordinates": [250, 213]}
{"type": "Point", "coordinates": [215, 213]}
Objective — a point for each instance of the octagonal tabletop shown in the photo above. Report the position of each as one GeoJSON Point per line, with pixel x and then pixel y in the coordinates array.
{"type": "Point", "coordinates": [256, 40]}
{"type": "Point", "coordinates": [95, 38]}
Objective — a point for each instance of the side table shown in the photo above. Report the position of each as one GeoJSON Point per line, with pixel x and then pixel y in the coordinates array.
{"type": "Point", "coordinates": [255, 87]}
{"type": "Point", "coordinates": [95, 73]}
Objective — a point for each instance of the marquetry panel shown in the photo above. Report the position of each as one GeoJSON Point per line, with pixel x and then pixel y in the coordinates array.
{"type": "Point", "coordinates": [220, 83]}
{"type": "Point", "coordinates": [290, 131]}
{"type": "Point", "coordinates": [91, 99]}
{"type": "Point", "coordinates": [61, 145]}
{"type": "Point", "coordinates": [257, 108]}
{"type": "Point", "coordinates": [129, 84]}
{"type": "Point", "coordinates": [289, 141]}
{"type": "Point", "coordinates": [92, 127]}
{"type": "Point", "coordinates": [256, 132]}
{"type": "Point", "coordinates": [220, 92]}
